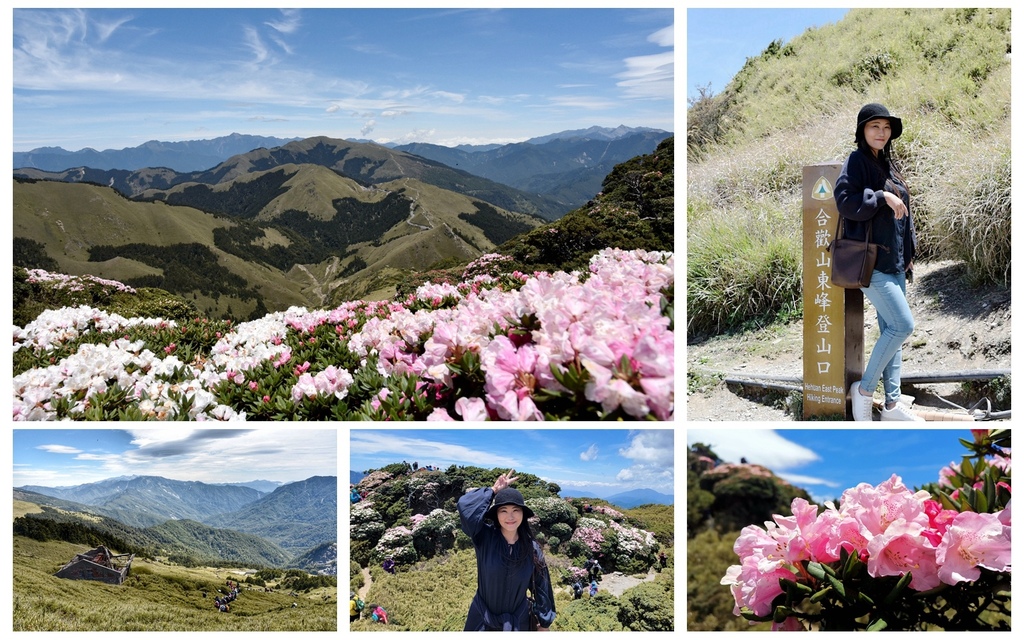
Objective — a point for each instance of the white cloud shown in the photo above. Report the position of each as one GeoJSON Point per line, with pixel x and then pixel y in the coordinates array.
{"type": "Point", "coordinates": [651, 447]}
{"type": "Point", "coordinates": [663, 37]}
{"type": "Point", "coordinates": [291, 19]}
{"type": "Point", "coordinates": [422, 450]}
{"type": "Point", "coordinates": [589, 454]}
{"type": "Point", "coordinates": [649, 76]}
{"type": "Point", "coordinates": [653, 456]}
{"type": "Point", "coordinates": [58, 448]}
{"type": "Point", "coordinates": [759, 446]}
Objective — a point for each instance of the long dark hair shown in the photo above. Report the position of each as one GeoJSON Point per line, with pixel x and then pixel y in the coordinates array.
{"type": "Point", "coordinates": [884, 159]}
{"type": "Point", "coordinates": [524, 547]}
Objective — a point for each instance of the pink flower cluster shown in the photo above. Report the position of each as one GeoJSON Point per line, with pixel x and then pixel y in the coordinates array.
{"type": "Point", "coordinates": [589, 534]}
{"type": "Point", "coordinates": [606, 327]}
{"type": "Point", "coordinates": [611, 325]}
{"type": "Point", "coordinates": [891, 528]}
{"type": "Point", "coordinates": [330, 381]}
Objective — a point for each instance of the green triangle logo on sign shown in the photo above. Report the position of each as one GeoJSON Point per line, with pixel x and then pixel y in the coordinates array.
{"type": "Point", "coordinates": [822, 189]}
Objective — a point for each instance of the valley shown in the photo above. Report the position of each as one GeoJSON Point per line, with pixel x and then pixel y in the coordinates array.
{"type": "Point", "coordinates": [178, 566]}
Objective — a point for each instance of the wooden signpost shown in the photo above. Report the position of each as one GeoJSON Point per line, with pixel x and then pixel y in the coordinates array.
{"type": "Point", "coordinates": [833, 352]}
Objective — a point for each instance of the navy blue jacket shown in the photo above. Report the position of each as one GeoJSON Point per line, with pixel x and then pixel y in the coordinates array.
{"type": "Point", "coordinates": [500, 600]}
{"type": "Point", "coordinates": [860, 198]}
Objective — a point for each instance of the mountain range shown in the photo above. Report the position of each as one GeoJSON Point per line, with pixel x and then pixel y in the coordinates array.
{"type": "Point", "coordinates": [565, 168]}
{"type": "Point", "coordinates": [313, 223]}
{"type": "Point", "coordinates": [296, 516]}
{"type": "Point", "coordinates": [188, 155]}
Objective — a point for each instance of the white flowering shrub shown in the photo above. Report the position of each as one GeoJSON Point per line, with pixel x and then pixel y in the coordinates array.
{"type": "Point", "coordinates": [552, 511]}
{"type": "Point", "coordinates": [365, 523]}
{"type": "Point", "coordinates": [397, 543]}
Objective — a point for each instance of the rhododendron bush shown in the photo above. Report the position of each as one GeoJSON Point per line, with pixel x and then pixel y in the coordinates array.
{"type": "Point", "coordinates": [496, 347]}
{"type": "Point", "coordinates": [888, 557]}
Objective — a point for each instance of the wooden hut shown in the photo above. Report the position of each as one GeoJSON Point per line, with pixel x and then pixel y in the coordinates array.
{"type": "Point", "coordinates": [98, 564]}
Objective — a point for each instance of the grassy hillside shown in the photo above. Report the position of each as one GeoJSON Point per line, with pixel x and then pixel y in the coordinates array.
{"type": "Point", "coordinates": [299, 235]}
{"type": "Point", "coordinates": [157, 596]}
{"type": "Point", "coordinates": [946, 72]}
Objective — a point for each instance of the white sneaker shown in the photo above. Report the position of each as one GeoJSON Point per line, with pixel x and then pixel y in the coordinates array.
{"type": "Point", "coordinates": [861, 404]}
{"type": "Point", "coordinates": [899, 412]}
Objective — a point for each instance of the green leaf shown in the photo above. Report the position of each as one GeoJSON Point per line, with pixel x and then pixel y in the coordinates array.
{"type": "Point", "coordinates": [792, 587]}
{"type": "Point", "coordinates": [820, 595]}
{"type": "Point", "coordinates": [816, 570]}
{"type": "Point", "coordinates": [966, 468]}
{"type": "Point", "coordinates": [837, 584]}
{"type": "Point", "coordinates": [747, 613]}
{"type": "Point", "coordinates": [901, 584]}
{"type": "Point", "coordinates": [781, 613]}
{"type": "Point", "coordinates": [877, 624]}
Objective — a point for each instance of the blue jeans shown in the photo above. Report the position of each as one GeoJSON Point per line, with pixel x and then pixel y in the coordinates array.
{"type": "Point", "coordinates": [888, 293]}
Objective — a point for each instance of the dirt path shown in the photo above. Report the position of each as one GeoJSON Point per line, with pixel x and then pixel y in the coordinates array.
{"type": "Point", "coordinates": [958, 328]}
{"type": "Point", "coordinates": [367, 581]}
{"type": "Point", "coordinates": [616, 582]}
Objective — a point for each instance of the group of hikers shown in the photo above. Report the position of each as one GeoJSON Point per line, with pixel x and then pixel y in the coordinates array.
{"type": "Point", "coordinates": [223, 603]}
{"type": "Point", "coordinates": [356, 607]}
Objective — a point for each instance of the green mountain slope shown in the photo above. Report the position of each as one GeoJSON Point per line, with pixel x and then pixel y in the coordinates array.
{"type": "Point", "coordinates": [297, 516]}
{"type": "Point", "coordinates": [292, 235]}
{"type": "Point", "coordinates": [158, 596]}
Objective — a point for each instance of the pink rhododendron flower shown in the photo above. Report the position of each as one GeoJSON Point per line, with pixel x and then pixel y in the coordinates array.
{"type": "Point", "coordinates": [900, 549]}
{"type": "Point", "coordinates": [973, 540]}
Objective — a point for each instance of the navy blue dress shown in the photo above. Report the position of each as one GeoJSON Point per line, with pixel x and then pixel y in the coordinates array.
{"type": "Point", "coordinates": [502, 576]}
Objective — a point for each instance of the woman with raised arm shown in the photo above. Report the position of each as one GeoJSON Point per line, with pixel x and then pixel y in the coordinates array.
{"type": "Point", "coordinates": [509, 562]}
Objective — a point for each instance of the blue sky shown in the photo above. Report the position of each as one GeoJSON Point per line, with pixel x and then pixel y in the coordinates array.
{"type": "Point", "coordinates": [598, 462]}
{"type": "Point", "coordinates": [825, 462]}
{"type": "Point", "coordinates": [116, 78]}
{"type": "Point", "coordinates": [719, 41]}
{"type": "Point", "coordinates": [65, 457]}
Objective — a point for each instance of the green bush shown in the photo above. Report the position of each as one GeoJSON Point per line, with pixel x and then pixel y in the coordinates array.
{"type": "Point", "coordinates": [562, 530]}
{"type": "Point", "coordinates": [600, 613]}
{"type": "Point", "coordinates": [553, 511]}
{"type": "Point", "coordinates": [647, 607]}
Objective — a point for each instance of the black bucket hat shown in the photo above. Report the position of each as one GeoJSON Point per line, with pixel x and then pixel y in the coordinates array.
{"type": "Point", "coordinates": [508, 495]}
{"type": "Point", "coordinates": [874, 111]}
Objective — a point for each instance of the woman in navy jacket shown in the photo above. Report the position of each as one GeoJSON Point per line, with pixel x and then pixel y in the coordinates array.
{"type": "Point", "coordinates": [508, 559]}
{"type": "Point", "coordinates": [871, 193]}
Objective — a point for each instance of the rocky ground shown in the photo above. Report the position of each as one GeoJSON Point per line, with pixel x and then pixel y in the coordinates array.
{"type": "Point", "coordinates": [959, 328]}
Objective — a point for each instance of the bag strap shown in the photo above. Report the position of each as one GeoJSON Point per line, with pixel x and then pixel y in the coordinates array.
{"type": "Point", "coordinates": [841, 228]}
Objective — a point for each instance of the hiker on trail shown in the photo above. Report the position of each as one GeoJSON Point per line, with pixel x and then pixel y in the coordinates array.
{"type": "Point", "coordinates": [378, 613]}
{"type": "Point", "coordinates": [389, 565]}
{"type": "Point", "coordinates": [872, 196]}
{"type": "Point", "coordinates": [353, 608]}
{"type": "Point", "coordinates": [662, 560]}
{"type": "Point", "coordinates": [508, 560]}
{"type": "Point", "coordinates": [593, 588]}
{"type": "Point", "coordinates": [577, 590]}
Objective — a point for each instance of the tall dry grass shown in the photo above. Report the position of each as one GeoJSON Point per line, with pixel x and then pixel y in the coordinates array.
{"type": "Point", "coordinates": [945, 72]}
